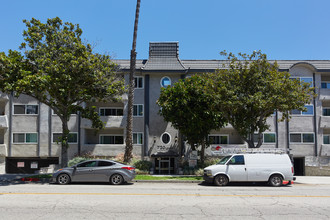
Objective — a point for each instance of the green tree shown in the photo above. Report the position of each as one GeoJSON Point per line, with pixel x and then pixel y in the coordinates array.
{"type": "Point", "coordinates": [187, 105]}
{"type": "Point", "coordinates": [61, 71]}
{"type": "Point", "coordinates": [249, 89]}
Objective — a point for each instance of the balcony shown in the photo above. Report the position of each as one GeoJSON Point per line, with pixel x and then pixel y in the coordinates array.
{"type": "Point", "coordinates": [325, 122]}
{"type": "Point", "coordinates": [109, 122]}
{"type": "Point", "coordinates": [104, 149]}
{"type": "Point", "coordinates": [3, 96]}
{"type": "Point", "coordinates": [324, 94]}
{"type": "Point", "coordinates": [3, 121]}
{"type": "Point", "coordinates": [3, 151]}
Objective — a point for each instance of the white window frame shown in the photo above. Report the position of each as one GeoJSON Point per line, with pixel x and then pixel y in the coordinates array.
{"type": "Point", "coordinates": [55, 141]}
{"type": "Point", "coordinates": [327, 82]}
{"type": "Point", "coordinates": [137, 105]}
{"type": "Point", "coordinates": [114, 135]}
{"type": "Point", "coordinates": [161, 138]}
{"type": "Point", "coordinates": [111, 108]}
{"type": "Point", "coordinates": [220, 135]}
{"type": "Point", "coordinates": [302, 137]}
{"type": "Point", "coordinates": [25, 108]}
{"type": "Point", "coordinates": [138, 133]}
{"type": "Point", "coordinates": [161, 81]}
{"type": "Point", "coordinates": [24, 138]}
{"type": "Point", "coordinates": [325, 108]}
{"type": "Point", "coordinates": [302, 113]}
{"type": "Point", "coordinates": [263, 138]}
{"type": "Point", "coordinates": [300, 77]}
{"type": "Point", "coordinates": [53, 113]}
{"type": "Point", "coordinates": [326, 135]}
{"type": "Point", "coordinates": [137, 79]}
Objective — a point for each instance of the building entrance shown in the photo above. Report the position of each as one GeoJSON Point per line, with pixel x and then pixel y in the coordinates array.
{"type": "Point", "coordinates": [164, 165]}
{"type": "Point", "coordinates": [299, 166]}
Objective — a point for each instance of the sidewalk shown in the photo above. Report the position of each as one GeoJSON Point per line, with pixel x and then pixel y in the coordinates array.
{"type": "Point", "coordinates": [313, 180]}
{"type": "Point", "coordinates": [319, 180]}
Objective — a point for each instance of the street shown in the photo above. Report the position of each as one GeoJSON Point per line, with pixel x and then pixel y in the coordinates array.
{"type": "Point", "coordinates": [163, 201]}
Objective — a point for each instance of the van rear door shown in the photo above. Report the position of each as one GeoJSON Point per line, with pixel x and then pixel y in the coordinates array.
{"type": "Point", "coordinates": [236, 169]}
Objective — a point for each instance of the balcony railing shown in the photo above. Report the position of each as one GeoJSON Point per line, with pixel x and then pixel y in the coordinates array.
{"type": "Point", "coordinates": [3, 151]}
{"type": "Point", "coordinates": [325, 122]}
{"type": "Point", "coordinates": [109, 122]}
{"type": "Point", "coordinates": [324, 94]}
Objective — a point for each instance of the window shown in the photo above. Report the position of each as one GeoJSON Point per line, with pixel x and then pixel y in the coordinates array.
{"type": "Point", "coordinates": [310, 111]}
{"type": "Point", "coordinates": [267, 138]}
{"type": "Point", "coordinates": [301, 137]}
{"type": "Point", "coordinates": [87, 164]}
{"type": "Point", "coordinates": [111, 139]}
{"type": "Point", "coordinates": [72, 138]}
{"type": "Point", "coordinates": [137, 110]}
{"type": "Point", "coordinates": [165, 81]}
{"type": "Point", "coordinates": [326, 111]}
{"type": "Point", "coordinates": [138, 82]}
{"type": "Point", "coordinates": [137, 138]}
{"type": "Point", "coordinates": [304, 79]}
{"type": "Point", "coordinates": [26, 109]}
{"type": "Point", "coordinates": [326, 139]}
{"type": "Point", "coordinates": [218, 139]}
{"type": "Point", "coordinates": [25, 138]}
{"type": "Point", "coordinates": [166, 138]}
{"type": "Point", "coordinates": [104, 164]}
{"type": "Point", "coordinates": [111, 112]}
{"type": "Point", "coordinates": [237, 160]}
{"type": "Point", "coordinates": [325, 85]}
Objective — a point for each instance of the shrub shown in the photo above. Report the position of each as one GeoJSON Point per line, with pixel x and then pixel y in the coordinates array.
{"type": "Point", "coordinates": [76, 160]}
{"type": "Point", "coordinates": [143, 165]}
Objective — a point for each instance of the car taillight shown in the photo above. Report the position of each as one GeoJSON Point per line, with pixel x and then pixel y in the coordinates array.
{"type": "Point", "coordinates": [128, 168]}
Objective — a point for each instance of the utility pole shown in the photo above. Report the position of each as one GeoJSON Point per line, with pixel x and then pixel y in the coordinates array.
{"type": "Point", "coordinates": [129, 126]}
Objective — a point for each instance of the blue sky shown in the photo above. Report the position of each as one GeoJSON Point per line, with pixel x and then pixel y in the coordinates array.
{"type": "Point", "coordinates": [283, 29]}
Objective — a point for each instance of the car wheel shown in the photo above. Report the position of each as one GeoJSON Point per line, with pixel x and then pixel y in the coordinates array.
{"type": "Point", "coordinates": [276, 180]}
{"type": "Point", "coordinates": [116, 179]}
{"type": "Point", "coordinates": [221, 180]}
{"type": "Point", "coordinates": [63, 179]}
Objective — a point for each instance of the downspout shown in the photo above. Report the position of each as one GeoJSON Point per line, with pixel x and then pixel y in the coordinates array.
{"type": "Point", "coordinates": [79, 133]}
{"type": "Point", "coordinates": [145, 149]}
{"type": "Point", "coordinates": [50, 135]}
{"type": "Point", "coordinates": [315, 124]}
{"type": "Point", "coordinates": [10, 124]}
{"type": "Point", "coordinates": [288, 136]}
{"type": "Point", "coordinates": [276, 128]}
{"type": "Point", "coordinates": [38, 129]}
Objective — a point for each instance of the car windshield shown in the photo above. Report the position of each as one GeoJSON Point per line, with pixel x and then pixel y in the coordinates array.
{"type": "Point", "coordinates": [224, 160]}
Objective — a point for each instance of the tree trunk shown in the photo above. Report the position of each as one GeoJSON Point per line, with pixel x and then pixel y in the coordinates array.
{"type": "Point", "coordinates": [64, 143]}
{"type": "Point", "coordinates": [129, 126]}
{"type": "Point", "coordinates": [203, 153]}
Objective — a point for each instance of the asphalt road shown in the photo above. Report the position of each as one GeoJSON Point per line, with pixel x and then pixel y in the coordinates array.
{"type": "Point", "coordinates": [163, 201]}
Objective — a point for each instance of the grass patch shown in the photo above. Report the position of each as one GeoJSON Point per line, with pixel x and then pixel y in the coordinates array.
{"type": "Point", "coordinates": [40, 176]}
{"type": "Point", "coordinates": [149, 177]}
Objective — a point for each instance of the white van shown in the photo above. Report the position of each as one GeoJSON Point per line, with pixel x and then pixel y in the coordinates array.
{"type": "Point", "coordinates": [258, 167]}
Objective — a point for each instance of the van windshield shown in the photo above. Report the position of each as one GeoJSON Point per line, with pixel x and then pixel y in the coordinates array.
{"type": "Point", "coordinates": [224, 160]}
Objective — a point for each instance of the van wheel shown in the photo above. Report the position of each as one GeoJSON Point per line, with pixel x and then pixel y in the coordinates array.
{"type": "Point", "coordinates": [221, 180]}
{"type": "Point", "coordinates": [275, 180]}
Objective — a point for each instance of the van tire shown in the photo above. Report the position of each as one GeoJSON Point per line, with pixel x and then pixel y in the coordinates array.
{"type": "Point", "coordinates": [221, 180]}
{"type": "Point", "coordinates": [275, 180]}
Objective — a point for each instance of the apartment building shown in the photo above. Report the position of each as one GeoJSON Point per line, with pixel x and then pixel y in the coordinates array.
{"type": "Point", "coordinates": [29, 130]}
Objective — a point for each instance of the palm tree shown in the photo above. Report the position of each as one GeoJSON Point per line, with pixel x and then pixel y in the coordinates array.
{"type": "Point", "coordinates": [129, 126]}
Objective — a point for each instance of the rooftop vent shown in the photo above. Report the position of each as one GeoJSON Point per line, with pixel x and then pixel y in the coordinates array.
{"type": "Point", "coordinates": [163, 49]}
